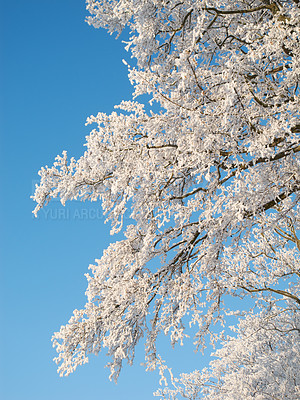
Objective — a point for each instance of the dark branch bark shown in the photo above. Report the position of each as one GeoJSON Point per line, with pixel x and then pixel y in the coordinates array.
{"type": "Point", "coordinates": [277, 291]}
{"type": "Point", "coordinates": [270, 7]}
{"type": "Point", "coordinates": [275, 201]}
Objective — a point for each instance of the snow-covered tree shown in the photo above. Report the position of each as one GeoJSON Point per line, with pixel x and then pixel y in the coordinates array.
{"type": "Point", "coordinates": [211, 182]}
{"type": "Point", "coordinates": [260, 363]}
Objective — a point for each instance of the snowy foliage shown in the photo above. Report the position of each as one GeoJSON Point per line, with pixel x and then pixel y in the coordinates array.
{"type": "Point", "coordinates": [260, 363]}
{"type": "Point", "coordinates": [211, 183]}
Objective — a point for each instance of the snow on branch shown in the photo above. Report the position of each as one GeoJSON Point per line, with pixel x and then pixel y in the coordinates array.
{"type": "Point", "coordinates": [211, 182]}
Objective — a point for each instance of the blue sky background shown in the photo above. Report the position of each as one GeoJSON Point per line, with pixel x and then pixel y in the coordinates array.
{"type": "Point", "coordinates": [56, 70]}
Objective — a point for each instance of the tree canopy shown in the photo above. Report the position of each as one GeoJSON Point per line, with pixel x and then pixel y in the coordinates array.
{"type": "Point", "coordinates": [211, 183]}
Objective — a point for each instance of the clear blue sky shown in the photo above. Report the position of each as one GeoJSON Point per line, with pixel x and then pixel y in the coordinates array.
{"type": "Point", "coordinates": [55, 72]}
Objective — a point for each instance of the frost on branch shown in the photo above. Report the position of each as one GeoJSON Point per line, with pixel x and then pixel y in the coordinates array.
{"type": "Point", "coordinates": [211, 183]}
{"type": "Point", "coordinates": [259, 363]}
